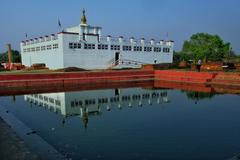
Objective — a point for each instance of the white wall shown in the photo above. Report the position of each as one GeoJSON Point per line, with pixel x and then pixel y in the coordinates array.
{"type": "Point", "coordinates": [100, 59]}
{"type": "Point", "coordinates": [52, 58]}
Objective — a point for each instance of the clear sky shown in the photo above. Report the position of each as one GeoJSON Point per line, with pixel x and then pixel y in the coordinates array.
{"type": "Point", "coordinates": [137, 18]}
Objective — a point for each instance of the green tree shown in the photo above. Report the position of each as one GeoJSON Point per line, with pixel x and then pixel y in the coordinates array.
{"type": "Point", "coordinates": [206, 47]}
{"type": "Point", "coordinates": [16, 57]}
{"type": "Point", "coordinates": [199, 95]}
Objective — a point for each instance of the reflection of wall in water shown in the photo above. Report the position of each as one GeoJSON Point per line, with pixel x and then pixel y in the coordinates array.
{"type": "Point", "coordinates": [92, 102]}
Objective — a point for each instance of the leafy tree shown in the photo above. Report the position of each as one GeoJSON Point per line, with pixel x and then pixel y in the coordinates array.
{"type": "Point", "coordinates": [206, 47]}
{"type": "Point", "coordinates": [16, 57]}
{"type": "Point", "coordinates": [199, 95]}
{"type": "Point", "coordinates": [176, 57]}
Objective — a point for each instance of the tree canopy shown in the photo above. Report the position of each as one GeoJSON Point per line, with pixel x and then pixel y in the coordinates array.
{"type": "Point", "coordinates": [206, 47]}
{"type": "Point", "coordinates": [16, 57]}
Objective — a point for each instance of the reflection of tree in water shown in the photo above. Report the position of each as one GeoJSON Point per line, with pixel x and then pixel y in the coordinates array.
{"type": "Point", "coordinates": [199, 95]}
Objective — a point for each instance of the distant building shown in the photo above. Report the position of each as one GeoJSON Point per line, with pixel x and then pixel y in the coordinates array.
{"type": "Point", "coordinates": [84, 46]}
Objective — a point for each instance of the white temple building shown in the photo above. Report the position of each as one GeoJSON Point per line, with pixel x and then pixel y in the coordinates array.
{"type": "Point", "coordinates": [83, 46]}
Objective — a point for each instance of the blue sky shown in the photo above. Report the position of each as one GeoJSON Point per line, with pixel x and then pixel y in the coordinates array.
{"type": "Point", "coordinates": [137, 18]}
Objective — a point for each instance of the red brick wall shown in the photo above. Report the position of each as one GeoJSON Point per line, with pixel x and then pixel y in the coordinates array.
{"type": "Point", "coordinates": [184, 76]}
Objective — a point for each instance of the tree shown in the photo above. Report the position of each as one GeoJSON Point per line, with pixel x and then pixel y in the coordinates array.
{"type": "Point", "coordinates": [199, 95]}
{"type": "Point", "coordinates": [16, 57]}
{"type": "Point", "coordinates": [206, 47]}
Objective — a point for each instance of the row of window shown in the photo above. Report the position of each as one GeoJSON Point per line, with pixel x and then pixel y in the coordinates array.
{"type": "Point", "coordinates": [127, 48]}
{"type": "Point", "coordinates": [117, 47]}
{"type": "Point", "coordinates": [89, 46]}
{"type": "Point", "coordinates": [47, 99]}
{"type": "Point", "coordinates": [103, 47]}
{"type": "Point", "coordinates": [157, 49]}
{"type": "Point", "coordinates": [74, 45]}
{"type": "Point", "coordinates": [113, 99]}
{"type": "Point", "coordinates": [100, 100]}
{"type": "Point", "coordinates": [51, 108]}
{"type": "Point", "coordinates": [137, 48]}
{"type": "Point", "coordinates": [167, 50]}
{"type": "Point", "coordinates": [147, 49]}
{"type": "Point", "coordinates": [40, 48]}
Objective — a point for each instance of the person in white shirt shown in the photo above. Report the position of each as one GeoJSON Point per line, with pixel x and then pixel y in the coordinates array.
{"type": "Point", "coordinates": [198, 65]}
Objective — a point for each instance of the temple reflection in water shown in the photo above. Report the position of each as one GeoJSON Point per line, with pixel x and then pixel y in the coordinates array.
{"type": "Point", "coordinates": [93, 102]}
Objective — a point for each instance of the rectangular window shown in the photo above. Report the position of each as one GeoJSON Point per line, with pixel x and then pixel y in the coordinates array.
{"type": "Point", "coordinates": [75, 45]}
{"type": "Point", "coordinates": [137, 48]}
{"type": "Point", "coordinates": [43, 48]}
{"type": "Point", "coordinates": [51, 100]}
{"type": "Point", "coordinates": [157, 49]}
{"type": "Point", "coordinates": [58, 102]}
{"type": "Point", "coordinates": [106, 47]}
{"type": "Point", "coordinates": [55, 46]}
{"type": "Point", "coordinates": [37, 48]}
{"type": "Point", "coordinates": [115, 47]}
{"type": "Point", "coordinates": [71, 45]}
{"type": "Point", "coordinates": [148, 49]}
{"type": "Point", "coordinates": [102, 46]}
{"type": "Point", "coordinates": [45, 98]}
{"type": "Point", "coordinates": [40, 97]}
{"type": "Point", "coordinates": [89, 46]}
{"type": "Point", "coordinates": [79, 45]}
{"type": "Point", "coordinates": [49, 47]}
{"type": "Point", "coordinates": [127, 48]}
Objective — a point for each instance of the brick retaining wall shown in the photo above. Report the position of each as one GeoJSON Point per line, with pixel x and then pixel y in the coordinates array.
{"type": "Point", "coordinates": [107, 77]}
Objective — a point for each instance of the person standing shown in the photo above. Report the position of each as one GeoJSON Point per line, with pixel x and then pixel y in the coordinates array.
{"type": "Point", "coordinates": [198, 66]}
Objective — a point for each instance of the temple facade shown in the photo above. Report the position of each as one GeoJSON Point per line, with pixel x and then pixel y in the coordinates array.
{"type": "Point", "coordinates": [83, 46]}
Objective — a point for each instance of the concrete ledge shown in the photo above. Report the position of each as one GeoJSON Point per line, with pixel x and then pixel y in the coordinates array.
{"type": "Point", "coordinates": [33, 141]}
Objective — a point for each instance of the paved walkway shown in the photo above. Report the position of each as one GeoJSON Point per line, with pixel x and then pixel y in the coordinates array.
{"type": "Point", "coordinates": [12, 147]}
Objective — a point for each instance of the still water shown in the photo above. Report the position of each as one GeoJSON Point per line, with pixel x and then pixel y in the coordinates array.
{"type": "Point", "coordinates": [133, 123]}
